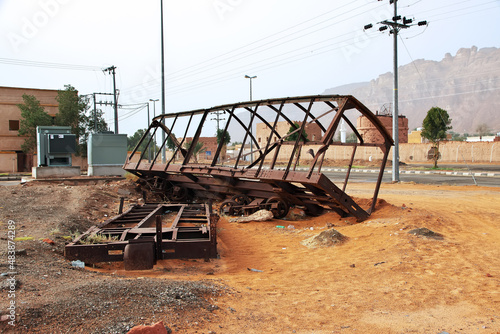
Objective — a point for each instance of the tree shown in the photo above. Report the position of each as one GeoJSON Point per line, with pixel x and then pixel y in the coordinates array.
{"type": "Point", "coordinates": [220, 133]}
{"type": "Point", "coordinates": [171, 144]}
{"type": "Point", "coordinates": [72, 112]}
{"type": "Point", "coordinates": [227, 139]}
{"type": "Point", "coordinates": [435, 125]}
{"type": "Point", "coordinates": [133, 140]}
{"type": "Point", "coordinates": [33, 115]}
{"type": "Point", "coordinates": [294, 136]}
{"type": "Point", "coordinates": [198, 148]}
{"type": "Point", "coordinates": [482, 130]}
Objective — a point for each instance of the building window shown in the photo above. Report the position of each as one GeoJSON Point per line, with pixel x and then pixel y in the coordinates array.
{"type": "Point", "coordinates": [14, 125]}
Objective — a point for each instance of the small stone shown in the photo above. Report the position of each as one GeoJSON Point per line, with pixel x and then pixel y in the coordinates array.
{"type": "Point", "coordinates": [21, 252]}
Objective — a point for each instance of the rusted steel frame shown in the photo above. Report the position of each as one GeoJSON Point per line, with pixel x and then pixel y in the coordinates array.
{"type": "Point", "coordinates": [327, 137]}
{"type": "Point", "coordinates": [313, 119]}
{"type": "Point", "coordinates": [163, 144]}
{"type": "Point", "coordinates": [273, 130]}
{"type": "Point", "coordinates": [349, 169]}
{"type": "Point", "coordinates": [169, 135]}
{"type": "Point", "coordinates": [181, 143]}
{"type": "Point", "coordinates": [342, 198]}
{"type": "Point", "coordinates": [140, 141]}
{"type": "Point", "coordinates": [147, 145]}
{"type": "Point", "coordinates": [159, 238]}
{"type": "Point", "coordinates": [149, 216]}
{"type": "Point", "coordinates": [325, 113]}
{"type": "Point", "coordinates": [178, 217]}
{"type": "Point", "coordinates": [267, 123]}
{"type": "Point", "coordinates": [379, 178]}
{"type": "Point", "coordinates": [373, 119]}
{"type": "Point", "coordinates": [252, 138]}
{"type": "Point", "coordinates": [298, 157]}
{"type": "Point", "coordinates": [195, 139]}
{"type": "Point", "coordinates": [276, 153]}
{"type": "Point", "coordinates": [221, 143]}
{"type": "Point", "coordinates": [320, 162]}
{"type": "Point", "coordinates": [301, 134]}
{"type": "Point", "coordinates": [353, 128]}
{"type": "Point", "coordinates": [247, 132]}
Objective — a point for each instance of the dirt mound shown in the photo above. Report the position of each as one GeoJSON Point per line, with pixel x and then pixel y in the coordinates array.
{"type": "Point", "coordinates": [425, 232]}
{"type": "Point", "coordinates": [326, 238]}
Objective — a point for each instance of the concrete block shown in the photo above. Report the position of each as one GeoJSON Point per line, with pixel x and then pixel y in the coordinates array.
{"type": "Point", "coordinates": [55, 171]}
{"type": "Point", "coordinates": [106, 170]}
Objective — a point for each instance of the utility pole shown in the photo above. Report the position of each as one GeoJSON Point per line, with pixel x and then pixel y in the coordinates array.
{"type": "Point", "coordinates": [95, 114]}
{"type": "Point", "coordinates": [217, 118]}
{"type": "Point", "coordinates": [395, 26]}
{"type": "Point", "coordinates": [112, 71]}
{"type": "Point", "coordinates": [251, 139]}
{"type": "Point", "coordinates": [101, 103]}
{"type": "Point", "coordinates": [163, 152]}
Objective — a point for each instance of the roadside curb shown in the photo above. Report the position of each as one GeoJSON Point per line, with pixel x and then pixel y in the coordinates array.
{"type": "Point", "coordinates": [451, 173]}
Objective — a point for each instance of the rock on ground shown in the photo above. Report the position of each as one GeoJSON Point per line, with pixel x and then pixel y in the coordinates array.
{"type": "Point", "coordinates": [326, 238]}
{"type": "Point", "coordinates": [157, 328]}
{"type": "Point", "coordinates": [259, 216]}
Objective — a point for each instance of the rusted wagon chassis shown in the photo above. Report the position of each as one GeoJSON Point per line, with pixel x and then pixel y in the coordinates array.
{"type": "Point", "coordinates": [266, 176]}
{"type": "Point", "coordinates": [144, 234]}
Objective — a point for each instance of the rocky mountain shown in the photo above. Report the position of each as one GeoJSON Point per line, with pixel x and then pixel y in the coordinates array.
{"type": "Point", "coordinates": [467, 85]}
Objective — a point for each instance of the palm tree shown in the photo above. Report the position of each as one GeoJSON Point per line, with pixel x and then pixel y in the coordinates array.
{"type": "Point", "coordinates": [198, 148]}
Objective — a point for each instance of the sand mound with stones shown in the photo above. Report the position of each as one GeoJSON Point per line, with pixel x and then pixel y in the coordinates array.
{"type": "Point", "coordinates": [326, 238]}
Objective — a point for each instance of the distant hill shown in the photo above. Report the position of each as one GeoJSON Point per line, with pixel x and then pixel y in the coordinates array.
{"type": "Point", "coordinates": [467, 85]}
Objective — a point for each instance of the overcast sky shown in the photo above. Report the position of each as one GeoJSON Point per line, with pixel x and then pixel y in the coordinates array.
{"type": "Point", "coordinates": [294, 47]}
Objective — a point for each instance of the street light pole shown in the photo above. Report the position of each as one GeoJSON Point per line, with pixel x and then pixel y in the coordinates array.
{"type": "Point", "coordinates": [251, 139]}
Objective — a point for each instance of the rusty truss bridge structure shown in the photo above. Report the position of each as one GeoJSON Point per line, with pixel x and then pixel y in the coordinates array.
{"type": "Point", "coordinates": [264, 173]}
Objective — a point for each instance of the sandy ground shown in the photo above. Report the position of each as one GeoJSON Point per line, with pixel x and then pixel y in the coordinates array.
{"type": "Point", "coordinates": [380, 280]}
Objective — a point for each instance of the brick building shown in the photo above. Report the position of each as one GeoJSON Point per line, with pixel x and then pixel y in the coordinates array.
{"type": "Point", "coordinates": [262, 131]}
{"type": "Point", "coordinates": [371, 135]}
{"type": "Point", "coordinates": [12, 159]}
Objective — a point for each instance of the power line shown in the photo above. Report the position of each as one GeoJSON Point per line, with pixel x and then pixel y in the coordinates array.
{"type": "Point", "coordinates": [222, 59]}
{"type": "Point", "coordinates": [21, 62]}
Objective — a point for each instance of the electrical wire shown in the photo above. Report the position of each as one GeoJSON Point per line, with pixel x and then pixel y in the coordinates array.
{"type": "Point", "coordinates": [223, 61]}
{"type": "Point", "coordinates": [21, 62]}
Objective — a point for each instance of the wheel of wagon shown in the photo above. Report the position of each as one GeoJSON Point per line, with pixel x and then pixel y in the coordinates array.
{"type": "Point", "coordinates": [241, 199]}
{"type": "Point", "coordinates": [178, 194]}
{"type": "Point", "coordinates": [139, 256]}
{"type": "Point", "coordinates": [278, 207]}
{"type": "Point", "coordinates": [228, 207]}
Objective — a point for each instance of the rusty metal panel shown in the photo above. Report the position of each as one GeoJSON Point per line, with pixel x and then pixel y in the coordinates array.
{"type": "Point", "coordinates": [183, 177]}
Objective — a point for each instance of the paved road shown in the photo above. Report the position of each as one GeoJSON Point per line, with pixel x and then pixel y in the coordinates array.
{"type": "Point", "coordinates": [439, 179]}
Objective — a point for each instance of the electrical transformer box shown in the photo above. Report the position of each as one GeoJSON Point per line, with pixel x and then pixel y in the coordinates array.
{"type": "Point", "coordinates": [55, 145]}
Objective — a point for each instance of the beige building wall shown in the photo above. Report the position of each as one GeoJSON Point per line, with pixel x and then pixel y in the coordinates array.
{"type": "Point", "coordinates": [12, 159]}
{"type": "Point", "coordinates": [415, 137]}
{"type": "Point", "coordinates": [451, 152]}
{"type": "Point", "coordinates": [263, 132]}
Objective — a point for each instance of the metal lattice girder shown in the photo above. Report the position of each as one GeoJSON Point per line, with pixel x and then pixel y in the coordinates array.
{"type": "Point", "coordinates": [262, 178]}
